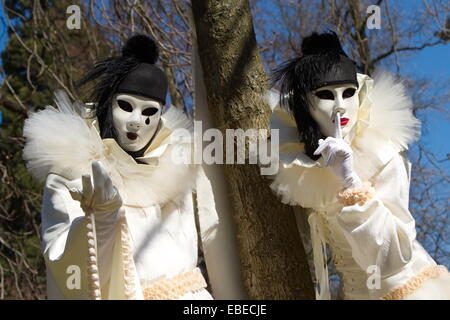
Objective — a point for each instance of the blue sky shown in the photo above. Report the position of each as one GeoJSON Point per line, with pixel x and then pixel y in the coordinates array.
{"type": "Point", "coordinates": [430, 63]}
{"type": "Point", "coordinates": [3, 29]}
{"type": "Point", "coordinates": [434, 63]}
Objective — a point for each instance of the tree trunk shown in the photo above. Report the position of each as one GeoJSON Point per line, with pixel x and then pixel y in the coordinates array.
{"type": "Point", "coordinates": [273, 262]}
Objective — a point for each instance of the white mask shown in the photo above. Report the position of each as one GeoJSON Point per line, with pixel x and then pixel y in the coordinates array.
{"type": "Point", "coordinates": [326, 101]}
{"type": "Point", "coordinates": [135, 119]}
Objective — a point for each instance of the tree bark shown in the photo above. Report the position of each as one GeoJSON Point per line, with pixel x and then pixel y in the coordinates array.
{"type": "Point", "coordinates": [273, 261]}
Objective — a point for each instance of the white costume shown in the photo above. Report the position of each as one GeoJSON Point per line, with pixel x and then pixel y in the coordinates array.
{"type": "Point", "coordinates": [151, 252]}
{"type": "Point", "coordinates": [377, 235]}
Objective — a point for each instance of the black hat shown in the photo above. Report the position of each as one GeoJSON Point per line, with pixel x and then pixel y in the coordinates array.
{"type": "Point", "coordinates": [325, 62]}
{"type": "Point", "coordinates": [147, 79]}
{"type": "Point", "coordinates": [132, 72]}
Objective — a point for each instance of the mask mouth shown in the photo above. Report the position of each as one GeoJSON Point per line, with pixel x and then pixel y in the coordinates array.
{"type": "Point", "coordinates": [344, 121]}
{"type": "Point", "coordinates": [132, 135]}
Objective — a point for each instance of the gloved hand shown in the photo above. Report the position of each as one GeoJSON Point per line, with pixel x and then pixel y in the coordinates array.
{"type": "Point", "coordinates": [98, 195]}
{"type": "Point", "coordinates": [339, 157]}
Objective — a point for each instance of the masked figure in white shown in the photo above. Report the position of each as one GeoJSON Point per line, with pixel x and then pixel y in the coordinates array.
{"type": "Point", "coordinates": [342, 142]}
{"type": "Point", "coordinates": [118, 219]}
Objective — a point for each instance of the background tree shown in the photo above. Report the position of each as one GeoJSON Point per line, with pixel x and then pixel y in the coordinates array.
{"type": "Point", "coordinates": [273, 262]}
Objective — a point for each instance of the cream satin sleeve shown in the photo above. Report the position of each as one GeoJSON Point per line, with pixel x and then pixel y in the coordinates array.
{"type": "Point", "coordinates": [218, 240]}
{"type": "Point", "coordinates": [64, 242]}
{"type": "Point", "coordinates": [382, 231]}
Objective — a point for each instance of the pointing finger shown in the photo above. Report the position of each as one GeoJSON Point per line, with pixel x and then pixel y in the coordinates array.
{"type": "Point", "coordinates": [337, 126]}
{"type": "Point", "coordinates": [99, 175]}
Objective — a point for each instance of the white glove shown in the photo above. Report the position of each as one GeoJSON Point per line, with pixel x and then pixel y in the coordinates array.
{"type": "Point", "coordinates": [97, 196]}
{"type": "Point", "coordinates": [339, 157]}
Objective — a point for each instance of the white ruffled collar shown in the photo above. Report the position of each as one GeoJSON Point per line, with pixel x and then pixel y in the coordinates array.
{"type": "Point", "coordinates": [385, 126]}
{"type": "Point", "coordinates": [71, 152]}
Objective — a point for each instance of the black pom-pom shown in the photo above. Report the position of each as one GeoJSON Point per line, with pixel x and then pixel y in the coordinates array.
{"type": "Point", "coordinates": [319, 43]}
{"type": "Point", "coordinates": [141, 47]}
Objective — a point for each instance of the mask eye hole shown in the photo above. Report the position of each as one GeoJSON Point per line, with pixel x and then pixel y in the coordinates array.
{"type": "Point", "coordinates": [324, 94]}
{"type": "Point", "coordinates": [348, 93]}
{"type": "Point", "coordinates": [125, 106]}
{"type": "Point", "coordinates": [150, 111]}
